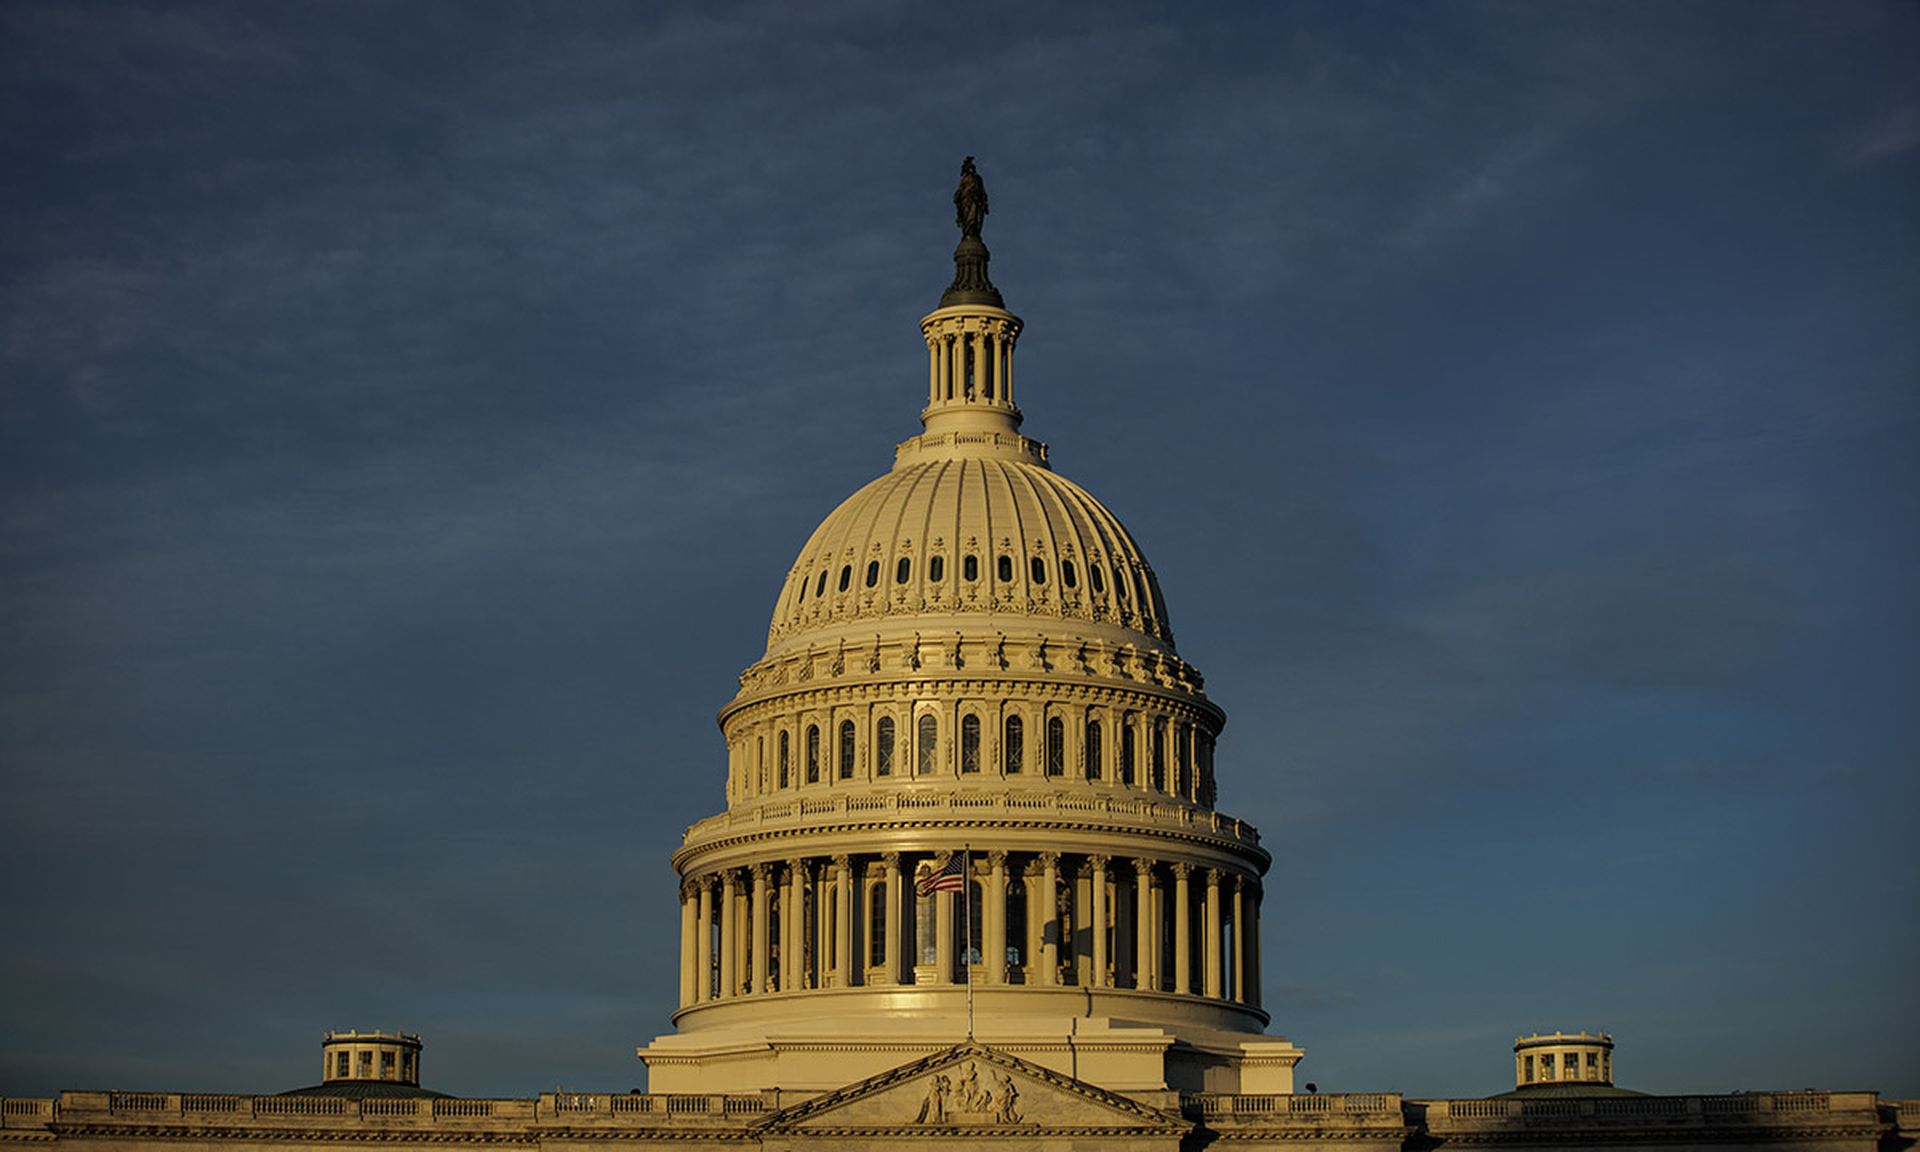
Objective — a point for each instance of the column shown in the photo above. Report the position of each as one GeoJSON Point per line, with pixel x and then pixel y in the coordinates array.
{"type": "Point", "coordinates": [1182, 930]}
{"type": "Point", "coordinates": [993, 934]}
{"type": "Point", "coordinates": [942, 937]}
{"type": "Point", "coordinates": [1211, 982]}
{"type": "Point", "coordinates": [703, 944]}
{"type": "Point", "coordinates": [1049, 917]}
{"type": "Point", "coordinates": [729, 937]}
{"type": "Point", "coordinates": [933, 372]}
{"type": "Point", "coordinates": [956, 365]}
{"type": "Point", "coordinates": [1143, 951]}
{"type": "Point", "coordinates": [897, 944]}
{"type": "Point", "coordinates": [1253, 946]}
{"type": "Point", "coordinates": [761, 938]}
{"type": "Point", "coordinates": [1030, 955]}
{"type": "Point", "coordinates": [793, 919]}
{"type": "Point", "coordinates": [1239, 939]}
{"type": "Point", "coordinates": [843, 921]}
{"type": "Point", "coordinates": [1006, 381]}
{"type": "Point", "coordinates": [1098, 864]}
{"type": "Point", "coordinates": [996, 340]}
{"type": "Point", "coordinates": [689, 925]}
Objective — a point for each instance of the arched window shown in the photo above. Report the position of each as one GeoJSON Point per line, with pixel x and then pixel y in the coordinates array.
{"type": "Point", "coordinates": [969, 744]}
{"type": "Point", "coordinates": [846, 749]}
{"type": "Point", "coordinates": [846, 576]}
{"type": "Point", "coordinates": [873, 573]}
{"type": "Point", "coordinates": [813, 754]}
{"type": "Point", "coordinates": [928, 744]}
{"type": "Point", "coordinates": [970, 568]}
{"type": "Point", "coordinates": [902, 570]}
{"type": "Point", "coordinates": [1157, 749]}
{"type": "Point", "coordinates": [1012, 754]}
{"type": "Point", "coordinates": [786, 760]}
{"type": "Point", "coordinates": [936, 569]}
{"type": "Point", "coordinates": [1039, 570]}
{"type": "Point", "coordinates": [1056, 746]}
{"type": "Point", "coordinates": [1006, 569]}
{"type": "Point", "coordinates": [1067, 576]}
{"type": "Point", "coordinates": [1091, 750]}
{"type": "Point", "coordinates": [1129, 751]}
{"type": "Point", "coordinates": [883, 747]}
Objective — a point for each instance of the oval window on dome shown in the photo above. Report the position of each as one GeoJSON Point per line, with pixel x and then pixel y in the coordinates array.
{"type": "Point", "coordinates": [1093, 574]}
{"type": "Point", "coordinates": [820, 588]}
{"type": "Point", "coordinates": [1067, 574]}
{"type": "Point", "coordinates": [902, 570]}
{"type": "Point", "coordinates": [1120, 583]}
{"type": "Point", "coordinates": [1039, 570]}
{"type": "Point", "coordinates": [970, 568]}
{"type": "Point", "coordinates": [936, 568]}
{"type": "Point", "coordinates": [873, 573]}
{"type": "Point", "coordinates": [846, 576]}
{"type": "Point", "coordinates": [1006, 569]}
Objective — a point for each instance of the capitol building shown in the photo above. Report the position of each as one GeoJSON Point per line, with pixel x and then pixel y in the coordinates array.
{"type": "Point", "coordinates": [971, 886]}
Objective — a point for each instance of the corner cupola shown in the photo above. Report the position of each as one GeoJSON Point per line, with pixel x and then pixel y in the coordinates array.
{"type": "Point", "coordinates": [970, 339]}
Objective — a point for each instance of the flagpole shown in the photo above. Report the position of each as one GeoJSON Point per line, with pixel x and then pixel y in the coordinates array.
{"type": "Point", "coordinates": [966, 896]}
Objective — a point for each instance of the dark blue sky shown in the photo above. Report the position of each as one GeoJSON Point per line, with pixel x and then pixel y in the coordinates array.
{"type": "Point", "coordinates": [409, 411]}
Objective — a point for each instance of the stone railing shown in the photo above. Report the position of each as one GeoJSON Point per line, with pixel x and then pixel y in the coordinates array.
{"type": "Point", "coordinates": [916, 806]}
{"type": "Point", "coordinates": [1218, 1105]}
{"type": "Point", "coordinates": [1730, 1111]}
{"type": "Point", "coordinates": [223, 1111]}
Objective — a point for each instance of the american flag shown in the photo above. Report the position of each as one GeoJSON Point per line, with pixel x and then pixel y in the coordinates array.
{"type": "Point", "coordinates": [951, 877]}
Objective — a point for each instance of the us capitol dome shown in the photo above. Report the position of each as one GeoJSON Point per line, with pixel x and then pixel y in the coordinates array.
{"type": "Point", "coordinates": [970, 784]}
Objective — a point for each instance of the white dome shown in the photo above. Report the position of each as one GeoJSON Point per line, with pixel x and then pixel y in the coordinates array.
{"type": "Point", "coordinates": [972, 537]}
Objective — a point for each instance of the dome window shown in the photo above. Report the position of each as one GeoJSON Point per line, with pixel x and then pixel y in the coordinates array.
{"type": "Point", "coordinates": [786, 759]}
{"type": "Point", "coordinates": [936, 569]}
{"type": "Point", "coordinates": [969, 744]}
{"type": "Point", "coordinates": [1067, 575]}
{"type": "Point", "coordinates": [1006, 569]}
{"type": "Point", "coordinates": [846, 750]}
{"type": "Point", "coordinates": [1091, 747]}
{"type": "Point", "coordinates": [820, 588]}
{"type": "Point", "coordinates": [813, 754]}
{"type": "Point", "coordinates": [1039, 569]}
{"type": "Point", "coordinates": [1129, 751]}
{"type": "Point", "coordinates": [1157, 754]}
{"type": "Point", "coordinates": [883, 747]}
{"type": "Point", "coordinates": [1013, 754]}
{"type": "Point", "coordinates": [1056, 746]}
{"type": "Point", "coordinates": [927, 743]}
{"type": "Point", "coordinates": [903, 570]}
{"type": "Point", "coordinates": [1099, 583]}
{"type": "Point", "coordinates": [970, 568]}
{"type": "Point", "coordinates": [873, 573]}
{"type": "Point", "coordinates": [1120, 585]}
{"type": "Point", "coordinates": [846, 576]}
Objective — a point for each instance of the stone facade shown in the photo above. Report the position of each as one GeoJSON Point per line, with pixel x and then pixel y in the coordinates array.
{"type": "Point", "coordinates": [966, 1096]}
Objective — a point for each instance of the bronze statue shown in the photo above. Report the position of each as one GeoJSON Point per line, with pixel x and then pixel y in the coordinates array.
{"type": "Point", "coordinates": [970, 200]}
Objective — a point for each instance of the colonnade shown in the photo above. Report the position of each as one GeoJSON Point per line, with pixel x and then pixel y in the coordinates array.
{"type": "Point", "coordinates": [971, 364]}
{"type": "Point", "coordinates": [1032, 918]}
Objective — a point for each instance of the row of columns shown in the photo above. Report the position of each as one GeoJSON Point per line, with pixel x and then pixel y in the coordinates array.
{"type": "Point", "coordinates": [991, 352]}
{"type": "Point", "coordinates": [801, 924]}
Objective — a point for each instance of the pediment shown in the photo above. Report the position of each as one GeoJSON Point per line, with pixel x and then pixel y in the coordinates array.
{"type": "Point", "coordinates": [972, 1090]}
